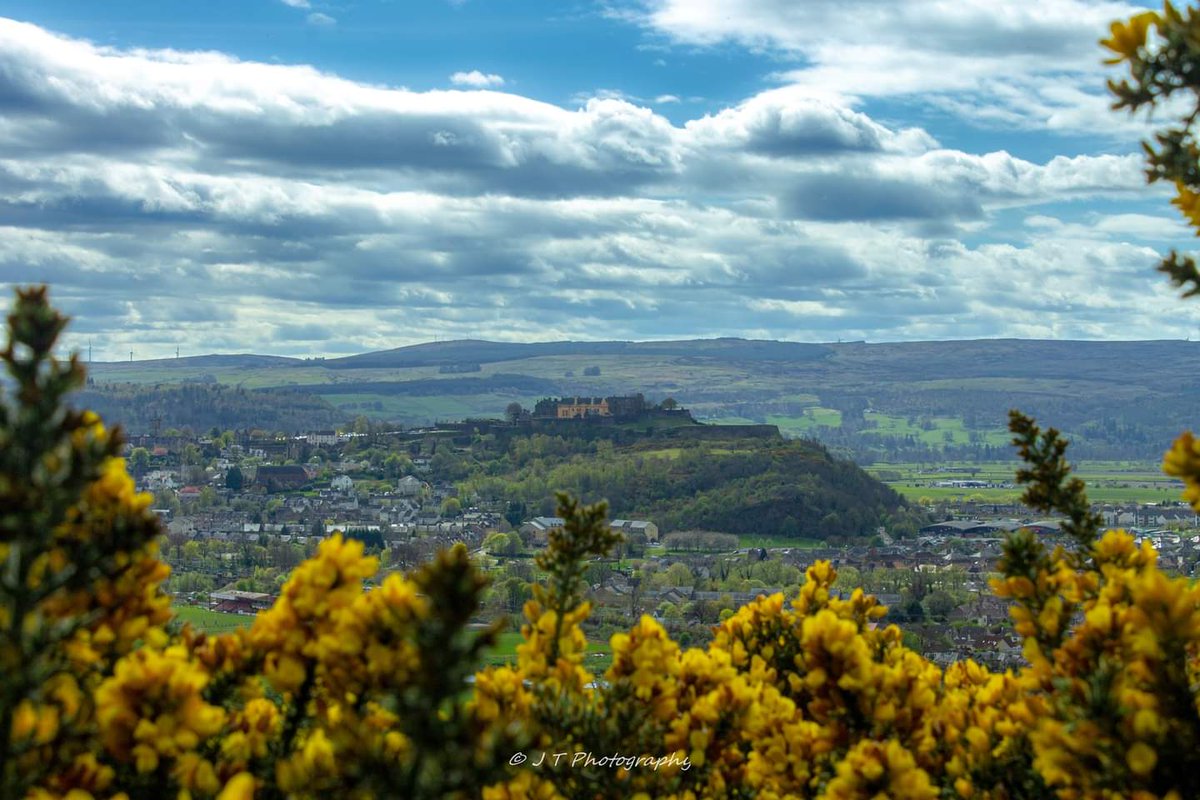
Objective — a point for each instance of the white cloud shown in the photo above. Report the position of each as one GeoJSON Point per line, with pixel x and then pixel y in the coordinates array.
{"type": "Point", "coordinates": [999, 62]}
{"type": "Point", "coordinates": [793, 121]}
{"type": "Point", "coordinates": [476, 79]}
{"type": "Point", "coordinates": [321, 20]}
{"type": "Point", "coordinates": [172, 196]}
{"type": "Point", "coordinates": [666, 98]}
{"type": "Point", "coordinates": [297, 3]}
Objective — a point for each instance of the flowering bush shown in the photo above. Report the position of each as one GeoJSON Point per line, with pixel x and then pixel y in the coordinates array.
{"type": "Point", "coordinates": [345, 692]}
{"type": "Point", "coordinates": [349, 692]}
{"type": "Point", "coordinates": [335, 689]}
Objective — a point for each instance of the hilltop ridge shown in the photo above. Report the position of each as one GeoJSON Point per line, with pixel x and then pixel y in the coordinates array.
{"type": "Point", "coordinates": [1116, 399]}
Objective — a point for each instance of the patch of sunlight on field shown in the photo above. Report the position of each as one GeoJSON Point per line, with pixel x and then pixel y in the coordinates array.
{"type": "Point", "coordinates": [212, 621]}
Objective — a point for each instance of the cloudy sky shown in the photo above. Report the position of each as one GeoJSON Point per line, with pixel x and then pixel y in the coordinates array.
{"type": "Point", "coordinates": [310, 177]}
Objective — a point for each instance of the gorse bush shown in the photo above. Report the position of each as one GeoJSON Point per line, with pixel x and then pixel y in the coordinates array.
{"type": "Point", "coordinates": [335, 689]}
{"type": "Point", "coordinates": [350, 686]}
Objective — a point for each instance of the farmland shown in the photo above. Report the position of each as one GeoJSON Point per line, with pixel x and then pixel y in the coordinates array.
{"type": "Point", "coordinates": [1107, 481]}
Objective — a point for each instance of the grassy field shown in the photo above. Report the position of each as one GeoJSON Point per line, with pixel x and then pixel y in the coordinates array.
{"type": "Point", "coordinates": [943, 430]}
{"type": "Point", "coordinates": [1107, 481]}
{"type": "Point", "coordinates": [777, 542]}
{"type": "Point", "coordinates": [505, 652]}
{"type": "Point", "coordinates": [212, 621]}
{"type": "Point", "coordinates": [937, 431]}
{"type": "Point", "coordinates": [807, 423]}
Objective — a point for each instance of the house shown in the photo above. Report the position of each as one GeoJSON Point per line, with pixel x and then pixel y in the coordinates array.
{"type": "Point", "coordinates": [410, 486]}
{"type": "Point", "coordinates": [238, 602]}
{"type": "Point", "coordinates": [277, 478]}
{"type": "Point", "coordinates": [342, 483]}
{"type": "Point", "coordinates": [629, 526]}
{"type": "Point", "coordinates": [539, 527]}
{"type": "Point", "coordinates": [322, 438]}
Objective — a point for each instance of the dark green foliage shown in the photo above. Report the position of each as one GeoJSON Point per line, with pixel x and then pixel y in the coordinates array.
{"type": "Point", "coordinates": [372, 539]}
{"type": "Point", "coordinates": [202, 406]}
{"type": "Point", "coordinates": [740, 486]}
{"type": "Point", "coordinates": [234, 479]}
{"type": "Point", "coordinates": [1183, 273]}
{"type": "Point", "coordinates": [515, 513]}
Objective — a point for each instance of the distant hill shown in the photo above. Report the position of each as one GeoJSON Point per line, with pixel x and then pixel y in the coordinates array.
{"type": "Point", "coordinates": [186, 363]}
{"type": "Point", "coordinates": [482, 352]}
{"type": "Point", "coordinates": [897, 401]}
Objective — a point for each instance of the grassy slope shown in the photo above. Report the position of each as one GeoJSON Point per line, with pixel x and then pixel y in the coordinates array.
{"type": "Point", "coordinates": [211, 621]}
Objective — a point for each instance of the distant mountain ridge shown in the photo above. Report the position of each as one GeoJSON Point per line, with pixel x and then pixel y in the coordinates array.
{"type": "Point", "coordinates": [978, 355]}
{"type": "Point", "coordinates": [208, 360]}
{"type": "Point", "coordinates": [893, 400]}
{"type": "Point", "coordinates": [485, 352]}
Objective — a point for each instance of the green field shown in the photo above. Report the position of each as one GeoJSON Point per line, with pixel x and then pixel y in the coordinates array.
{"type": "Point", "coordinates": [941, 430]}
{"type": "Point", "coordinates": [505, 652]}
{"type": "Point", "coordinates": [211, 621]}
{"type": "Point", "coordinates": [778, 542]}
{"type": "Point", "coordinates": [1107, 481]}
{"type": "Point", "coordinates": [934, 431]}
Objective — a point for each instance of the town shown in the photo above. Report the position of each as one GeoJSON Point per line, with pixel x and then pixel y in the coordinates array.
{"type": "Point", "coordinates": [243, 508]}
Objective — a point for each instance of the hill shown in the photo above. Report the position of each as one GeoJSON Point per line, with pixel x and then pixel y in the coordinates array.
{"type": "Point", "coordinates": [906, 400]}
{"type": "Point", "coordinates": [744, 485]}
{"type": "Point", "coordinates": [482, 352]}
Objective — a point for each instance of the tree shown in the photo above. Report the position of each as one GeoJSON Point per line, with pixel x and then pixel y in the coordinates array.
{"type": "Point", "coordinates": [396, 465]}
{"type": "Point", "coordinates": [670, 404]}
{"type": "Point", "coordinates": [234, 479]}
{"type": "Point", "coordinates": [513, 412]}
{"type": "Point", "coordinates": [190, 455]}
{"type": "Point", "coordinates": [939, 605]}
{"type": "Point", "coordinates": [451, 507]}
{"type": "Point", "coordinates": [515, 513]}
{"type": "Point", "coordinates": [504, 544]}
{"type": "Point", "coordinates": [139, 461]}
{"type": "Point", "coordinates": [207, 499]}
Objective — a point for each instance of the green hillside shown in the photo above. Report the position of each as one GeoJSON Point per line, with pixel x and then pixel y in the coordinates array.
{"type": "Point", "coordinates": [749, 486]}
{"type": "Point", "coordinates": [895, 401]}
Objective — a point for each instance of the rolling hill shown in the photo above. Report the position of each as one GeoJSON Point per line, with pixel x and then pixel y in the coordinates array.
{"type": "Point", "coordinates": [1118, 399]}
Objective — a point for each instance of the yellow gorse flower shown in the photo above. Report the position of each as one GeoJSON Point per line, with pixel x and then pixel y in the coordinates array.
{"type": "Point", "coordinates": [1126, 38]}
{"type": "Point", "coordinates": [354, 686]}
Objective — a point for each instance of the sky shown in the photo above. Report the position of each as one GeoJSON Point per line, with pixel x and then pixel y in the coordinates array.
{"type": "Point", "coordinates": [303, 177]}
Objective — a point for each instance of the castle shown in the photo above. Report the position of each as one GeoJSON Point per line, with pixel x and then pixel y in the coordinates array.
{"type": "Point", "coordinates": [627, 407]}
